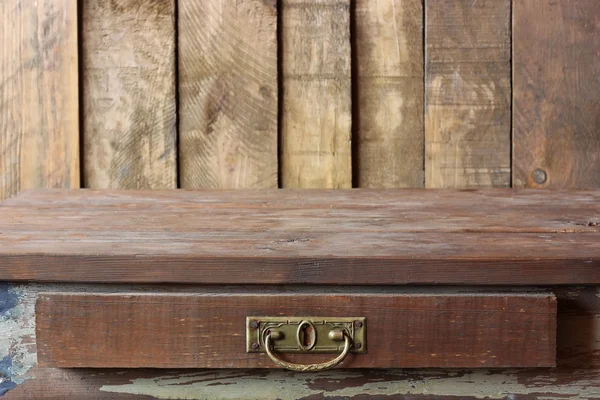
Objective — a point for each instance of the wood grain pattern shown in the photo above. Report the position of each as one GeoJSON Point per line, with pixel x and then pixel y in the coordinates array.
{"type": "Point", "coordinates": [229, 95]}
{"type": "Point", "coordinates": [468, 91]}
{"type": "Point", "coordinates": [472, 237]}
{"type": "Point", "coordinates": [556, 124]}
{"type": "Point", "coordinates": [39, 110]}
{"type": "Point", "coordinates": [389, 84]}
{"type": "Point", "coordinates": [577, 376]}
{"type": "Point", "coordinates": [317, 103]}
{"type": "Point", "coordinates": [129, 120]}
{"type": "Point", "coordinates": [207, 331]}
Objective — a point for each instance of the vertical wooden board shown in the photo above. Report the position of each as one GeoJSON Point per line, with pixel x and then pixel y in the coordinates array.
{"type": "Point", "coordinates": [389, 59]}
{"type": "Point", "coordinates": [39, 110]}
{"type": "Point", "coordinates": [228, 93]}
{"type": "Point", "coordinates": [317, 104]}
{"type": "Point", "coordinates": [556, 121]}
{"type": "Point", "coordinates": [129, 122]}
{"type": "Point", "coordinates": [468, 93]}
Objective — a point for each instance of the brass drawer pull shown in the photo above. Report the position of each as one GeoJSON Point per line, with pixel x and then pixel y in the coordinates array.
{"type": "Point", "coordinates": [306, 335]}
{"type": "Point", "coordinates": [333, 335]}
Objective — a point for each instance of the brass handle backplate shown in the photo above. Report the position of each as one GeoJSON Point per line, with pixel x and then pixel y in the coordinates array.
{"type": "Point", "coordinates": [280, 335]}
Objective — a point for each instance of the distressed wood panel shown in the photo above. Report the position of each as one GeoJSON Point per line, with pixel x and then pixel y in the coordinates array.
{"type": "Point", "coordinates": [556, 94]}
{"type": "Point", "coordinates": [577, 375]}
{"type": "Point", "coordinates": [196, 331]}
{"type": "Point", "coordinates": [317, 96]}
{"type": "Point", "coordinates": [39, 110]}
{"type": "Point", "coordinates": [129, 119]}
{"type": "Point", "coordinates": [469, 237]}
{"type": "Point", "coordinates": [389, 85]}
{"type": "Point", "coordinates": [468, 93]}
{"type": "Point", "coordinates": [229, 94]}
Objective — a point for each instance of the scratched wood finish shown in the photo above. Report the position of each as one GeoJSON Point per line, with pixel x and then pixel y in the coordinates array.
{"type": "Point", "coordinates": [468, 93]}
{"type": "Point", "coordinates": [389, 143]}
{"type": "Point", "coordinates": [228, 94]}
{"type": "Point", "coordinates": [39, 118]}
{"type": "Point", "coordinates": [556, 138]}
{"type": "Point", "coordinates": [317, 97]}
{"type": "Point", "coordinates": [576, 377]}
{"type": "Point", "coordinates": [374, 236]}
{"type": "Point", "coordinates": [129, 131]}
{"type": "Point", "coordinates": [196, 331]}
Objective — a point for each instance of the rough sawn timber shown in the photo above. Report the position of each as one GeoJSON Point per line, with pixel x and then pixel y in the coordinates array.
{"type": "Point", "coordinates": [413, 330]}
{"type": "Point", "coordinates": [345, 237]}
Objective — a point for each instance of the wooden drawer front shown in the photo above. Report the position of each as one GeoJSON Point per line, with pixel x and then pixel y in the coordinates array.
{"type": "Point", "coordinates": [209, 330]}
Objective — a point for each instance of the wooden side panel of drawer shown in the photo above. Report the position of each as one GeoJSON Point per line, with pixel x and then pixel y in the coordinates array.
{"type": "Point", "coordinates": [208, 330]}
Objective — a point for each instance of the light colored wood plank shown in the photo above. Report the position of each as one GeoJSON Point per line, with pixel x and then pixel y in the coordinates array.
{"type": "Point", "coordinates": [468, 90]}
{"type": "Point", "coordinates": [556, 137]}
{"type": "Point", "coordinates": [228, 93]}
{"type": "Point", "coordinates": [390, 132]}
{"type": "Point", "coordinates": [317, 94]}
{"type": "Point", "coordinates": [129, 126]}
{"type": "Point", "coordinates": [39, 110]}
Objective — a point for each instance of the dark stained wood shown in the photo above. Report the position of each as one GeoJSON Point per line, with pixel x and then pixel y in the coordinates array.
{"type": "Point", "coordinates": [344, 237]}
{"type": "Point", "coordinates": [556, 123]}
{"type": "Point", "coordinates": [468, 91]}
{"type": "Point", "coordinates": [576, 377]}
{"type": "Point", "coordinates": [228, 93]}
{"type": "Point", "coordinates": [578, 336]}
{"type": "Point", "coordinates": [208, 331]}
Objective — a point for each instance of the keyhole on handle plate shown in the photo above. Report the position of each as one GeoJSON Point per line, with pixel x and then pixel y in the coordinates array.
{"type": "Point", "coordinates": [306, 336]}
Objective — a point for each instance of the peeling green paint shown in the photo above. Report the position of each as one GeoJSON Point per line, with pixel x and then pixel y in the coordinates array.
{"type": "Point", "coordinates": [274, 385]}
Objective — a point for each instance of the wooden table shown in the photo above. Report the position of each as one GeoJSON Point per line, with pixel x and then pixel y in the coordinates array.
{"type": "Point", "coordinates": [177, 279]}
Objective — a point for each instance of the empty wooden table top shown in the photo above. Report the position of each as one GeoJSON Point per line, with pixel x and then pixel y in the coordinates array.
{"type": "Point", "coordinates": [349, 237]}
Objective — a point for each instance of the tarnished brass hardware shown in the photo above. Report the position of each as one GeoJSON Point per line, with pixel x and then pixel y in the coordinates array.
{"type": "Point", "coordinates": [306, 334]}
{"type": "Point", "coordinates": [309, 367]}
{"type": "Point", "coordinates": [336, 335]}
{"type": "Point", "coordinates": [276, 335]}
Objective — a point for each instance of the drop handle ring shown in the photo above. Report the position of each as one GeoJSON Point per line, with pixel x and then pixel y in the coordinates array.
{"type": "Point", "coordinates": [334, 335]}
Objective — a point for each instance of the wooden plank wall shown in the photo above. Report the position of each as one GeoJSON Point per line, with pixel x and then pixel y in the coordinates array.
{"type": "Point", "coordinates": [299, 94]}
{"type": "Point", "coordinates": [316, 120]}
{"type": "Point", "coordinates": [556, 79]}
{"type": "Point", "coordinates": [128, 94]}
{"type": "Point", "coordinates": [467, 78]}
{"type": "Point", "coordinates": [39, 119]}
{"type": "Point", "coordinates": [388, 112]}
{"type": "Point", "coordinates": [228, 94]}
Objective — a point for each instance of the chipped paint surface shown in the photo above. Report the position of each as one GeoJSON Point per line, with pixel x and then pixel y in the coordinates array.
{"type": "Point", "coordinates": [273, 385]}
{"type": "Point", "coordinates": [17, 332]}
{"type": "Point", "coordinates": [6, 383]}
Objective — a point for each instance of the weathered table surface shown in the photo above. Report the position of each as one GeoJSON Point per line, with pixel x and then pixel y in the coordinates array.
{"type": "Point", "coordinates": [315, 237]}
